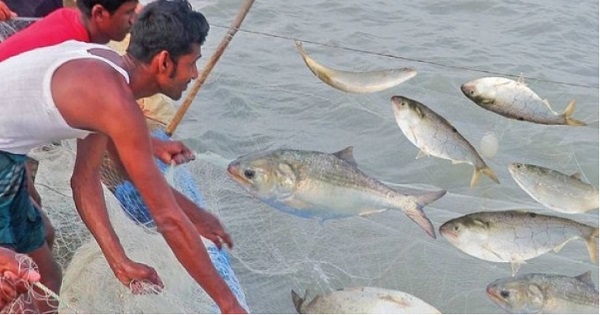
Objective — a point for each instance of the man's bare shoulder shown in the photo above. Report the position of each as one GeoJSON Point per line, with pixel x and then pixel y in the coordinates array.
{"type": "Point", "coordinates": [86, 91]}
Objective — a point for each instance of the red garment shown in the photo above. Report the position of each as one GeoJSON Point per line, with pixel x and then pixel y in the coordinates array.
{"type": "Point", "coordinates": [59, 26]}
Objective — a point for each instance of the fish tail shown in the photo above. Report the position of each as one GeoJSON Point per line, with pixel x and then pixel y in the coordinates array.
{"type": "Point", "coordinates": [485, 170]}
{"type": "Point", "coordinates": [591, 241]}
{"type": "Point", "coordinates": [298, 301]}
{"type": "Point", "coordinates": [417, 214]}
{"type": "Point", "coordinates": [567, 114]}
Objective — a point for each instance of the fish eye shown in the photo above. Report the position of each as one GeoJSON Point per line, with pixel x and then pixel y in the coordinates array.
{"type": "Point", "coordinates": [249, 174]}
{"type": "Point", "coordinates": [456, 228]}
{"type": "Point", "coordinates": [504, 293]}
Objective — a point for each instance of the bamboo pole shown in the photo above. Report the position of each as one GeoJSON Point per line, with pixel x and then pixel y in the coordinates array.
{"type": "Point", "coordinates": [235, 25]}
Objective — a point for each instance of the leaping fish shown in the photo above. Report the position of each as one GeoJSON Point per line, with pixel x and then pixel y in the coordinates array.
{"type": "Point", "coordinates": [535, 293]}
{"type": "Point", "coordinates": [555, 190]}
{"type": "Point", "coordinates": [434, 135]}
{"type": "Point", "coordinates": [513, 99]}
{"type": "Point", "coordinates": [356, 82]}
{"type": "Point", "coordinates": [322, 185]}
{"type": "Point", "coordinates": [515, 236]}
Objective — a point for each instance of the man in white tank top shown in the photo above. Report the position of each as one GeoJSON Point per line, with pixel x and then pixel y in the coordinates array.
{"type": "Point", "coordinates": [88, 91]}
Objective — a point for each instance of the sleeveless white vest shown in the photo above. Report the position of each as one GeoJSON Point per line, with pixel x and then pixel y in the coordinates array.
{"type": "Point", "coordinates": [28, 115]}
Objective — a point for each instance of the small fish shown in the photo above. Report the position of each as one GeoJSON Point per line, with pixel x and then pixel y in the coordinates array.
{"type": "Point", "coordinates": [545, 293]}
{"type": "Point", "coordinates": [555, 190]}
{"type": "Point", "coordinates": [434, 135]}
{"type": "Point", "coordinates": [356, 82]}
{"type": "Point", "coordinates": [513, 99]}
{"type": "Point", "coordinates": [316, 184]}
{"type": "Point", "coordinates": [515, 236]}
{"type": "Point", "coordinates": [363, 300]}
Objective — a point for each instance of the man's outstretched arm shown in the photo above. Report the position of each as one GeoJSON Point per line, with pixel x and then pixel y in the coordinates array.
{"type": "Point", "coordinates": [117, 115]}
{"type": "Point", "coordinates": [89, 201]}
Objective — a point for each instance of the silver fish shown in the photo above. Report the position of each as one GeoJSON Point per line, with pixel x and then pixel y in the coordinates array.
{"type": "Point", "coordinates": [515, 236]}
{"type": "Point", "coordinates": [555, 190]}
{"type": "Point", "coordinates": [513, 99]}
{"type": "Point", "coordinates": [356, 82]}
{"type": "Point", "coordinates": [434, 135]}
{"type": "Point", "coordinates": [363, 300]}
{"type": "Point", "coordinates": [316, 184]}
{"type": "Point", "coordinates": [545, 293]}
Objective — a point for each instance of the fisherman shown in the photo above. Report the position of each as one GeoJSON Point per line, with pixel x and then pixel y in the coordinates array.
{"type": "Point", "coordinates": [51, 94]}
{"type": "Point", "coordinates": [95, 21]}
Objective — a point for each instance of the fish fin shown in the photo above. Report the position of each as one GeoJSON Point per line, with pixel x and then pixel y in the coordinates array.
{"type": "Point", "coordinates": [586, 278]}
{"type": "Point", "coordinates": [418, 216]}
{"type": "Point", "coordinates": [515, 266]}
{"type": "Point", "coordinates": [347, 155]}
{"type": "Point", "coordinates": [300, 48]}
{"type": "Point", "coordinates": [521, 79]}
{"type": "Point", "coordinates": [591, 241]}
{"type": "Point", "coordinates": [567, 114]}
{"type": "Point", "coordinates": [370, 212]}
{"type": "Point", "coordinates": [485, 170]}
{"type": "Point", "coordinates": [576, 176]}
{"type": "Point", "coordinates": [298, 301]}
{"type": "Point", "coordinates": [421, 154]}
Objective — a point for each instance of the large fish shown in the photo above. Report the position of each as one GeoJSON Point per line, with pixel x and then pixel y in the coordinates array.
{"type": "Point", "coordinates": [513, 99]}
{"type": "Point", "coordinates": [356, 82]}
{"type": "Point", "coordinates": [555, 190]}
{"type": "Point", "coordinates": [545, 293]}
{"type": "Point", "coordinates": [363, 300]}
{"type": "Point", "coordinates": [316, 184]}
{"type": "Point", "coordinates": [515, 236]}
{"type": "Point", "coordinates": [434, 135]}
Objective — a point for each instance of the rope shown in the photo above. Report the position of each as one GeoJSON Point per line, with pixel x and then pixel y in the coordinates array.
{"type": "Point", "coordinates": [51, 293]}
{"type": "Point", "coordinates": [235, 25]}
{"type": "Point", "coordinates": [412, 59]}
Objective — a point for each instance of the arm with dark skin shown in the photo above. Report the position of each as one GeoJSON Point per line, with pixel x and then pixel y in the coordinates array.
{"type": "Point", "coordinates": [117, 116]}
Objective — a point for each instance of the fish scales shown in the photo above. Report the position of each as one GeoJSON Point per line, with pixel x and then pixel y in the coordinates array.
{"type": "Point", "coordinates": [317, 184]}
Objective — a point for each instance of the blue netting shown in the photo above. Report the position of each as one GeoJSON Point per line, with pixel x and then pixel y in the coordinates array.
{"type": "Point", "coordinates": [134, 207]}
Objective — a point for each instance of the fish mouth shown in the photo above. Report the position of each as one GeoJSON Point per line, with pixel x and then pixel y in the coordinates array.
{"type": "Point", "coordinates": [468, 89]}
{"type": "Point", "coordinates": [403, 103]}
{"type": "Point", "coordinates": [233, 170]}
{"type": "Point", "coordinates": [493, 295]}
{"type": "Point", "coordinates": [448, 233]}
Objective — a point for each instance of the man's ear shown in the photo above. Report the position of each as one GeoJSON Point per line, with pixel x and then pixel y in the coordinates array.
{"type": "Point", "coordinates": [99, 12]}
{"type": "Point", "coordinates": [163, 60]}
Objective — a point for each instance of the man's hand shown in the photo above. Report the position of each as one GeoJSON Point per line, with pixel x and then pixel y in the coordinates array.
{"type": "Point", "coordinates": [170, 151]}
{"type": "Point", "coordinates": [209, 227]}
{"type": "Point", "coordinates": [5, 12]}
{"type": "Point", "coordinates": [16, 272]}
{"type": "Point", "coordinates": [139, 277]}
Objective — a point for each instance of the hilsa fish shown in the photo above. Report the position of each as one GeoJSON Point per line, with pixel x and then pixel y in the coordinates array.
{"type": "Point", "coordinates": [356, 82]}
{"type": "Point", "coordinates": [555, 190]}
{"type": "Point", "coordinates": [434, 135]}
{"type": "Point", "coordinates": [322, 185]}
{"type": "Point", "coordinates": [513, 99]}
{"type": "Point", "coordinates": [363, 300]}
{"type": "Point", "coordinates": [535, 293]}
{"type": "Point", "coordinates": [514, 236]}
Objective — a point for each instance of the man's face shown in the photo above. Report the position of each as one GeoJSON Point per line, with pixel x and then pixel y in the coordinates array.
{"type": "Point", "coordinates": [119, 23]}
{"type": "Point", "coordinates": [181, 72]}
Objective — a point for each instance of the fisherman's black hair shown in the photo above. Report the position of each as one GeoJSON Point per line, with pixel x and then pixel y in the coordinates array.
{"type": "Point", "coordinates": [85, 6]}
{"type": "Point", "coordinates": [170, 25]}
